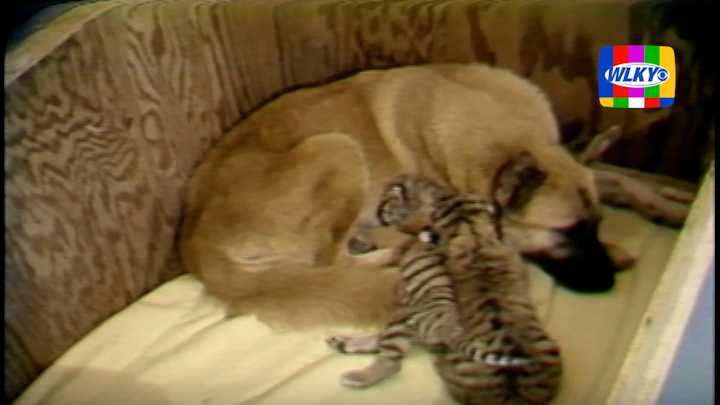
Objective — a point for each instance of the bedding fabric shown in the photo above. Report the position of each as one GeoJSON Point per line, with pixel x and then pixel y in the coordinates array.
{"type": "Point", "coordinates": [174, 346]}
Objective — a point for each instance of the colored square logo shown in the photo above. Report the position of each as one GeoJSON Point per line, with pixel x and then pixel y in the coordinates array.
{"type": "Point", "coordinates": [636, 76]}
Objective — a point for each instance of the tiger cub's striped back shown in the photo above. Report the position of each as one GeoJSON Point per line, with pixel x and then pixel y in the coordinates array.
{"type": "Point", "coordinates": [518, 363]}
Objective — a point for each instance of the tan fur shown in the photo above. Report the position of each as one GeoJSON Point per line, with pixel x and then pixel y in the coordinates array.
{"type": "Point", "coordinates": [264, 239]}
{"type": "Point", "coordinates": [286, 189]}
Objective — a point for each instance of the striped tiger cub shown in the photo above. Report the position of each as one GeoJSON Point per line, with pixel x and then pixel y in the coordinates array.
{"type": "Point", "coordinates": [427, 311]}
{"type": "Point", "coordinates": [466, 292]}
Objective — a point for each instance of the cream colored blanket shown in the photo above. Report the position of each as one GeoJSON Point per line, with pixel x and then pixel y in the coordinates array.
{"type": "Point", "coordinates": [175, 347]}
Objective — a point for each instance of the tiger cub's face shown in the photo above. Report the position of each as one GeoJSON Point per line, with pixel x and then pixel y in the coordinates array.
{"type": "Point", "coordinates": [434, 213]}
{"type": "Point", "coordinates": [408, 202]}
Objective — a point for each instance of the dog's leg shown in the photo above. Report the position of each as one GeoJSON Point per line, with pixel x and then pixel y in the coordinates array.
{"type": "Point", "coordinates": [657, 204]}
{"type": "Point", "coordinates": [599, 144]}
{"type": "Point", "coordinates": [676, 195]}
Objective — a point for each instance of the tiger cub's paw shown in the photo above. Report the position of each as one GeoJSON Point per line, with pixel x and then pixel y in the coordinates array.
{"type": "Point", "coordinates": [337, 343]}
{"type": "Point", "coordinates": [357, 379]}
{"type": "Point", "coordinates": [476, 351]}
{"type": "Point", "coordinates": [380, 370]}
{"type": "Point", "coordinates": [442, 338]}
{"type": "Point", "coordinates": [353, 344]}
{"type": "Point", "coordinates": [358, 246]}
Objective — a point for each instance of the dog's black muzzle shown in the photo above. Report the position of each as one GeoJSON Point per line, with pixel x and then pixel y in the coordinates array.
{"type": "Point", "coordinates": [588, 268]}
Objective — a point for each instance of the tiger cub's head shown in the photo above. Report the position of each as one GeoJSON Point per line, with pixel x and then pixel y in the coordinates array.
{"type": "Point", "coordinates": [433, 212]}
{"type": "Point", "coordinates": [408, 201]}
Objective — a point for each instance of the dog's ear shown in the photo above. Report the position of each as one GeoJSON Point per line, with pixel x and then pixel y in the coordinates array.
{"type": "Point", "coordinates": [516, 180]}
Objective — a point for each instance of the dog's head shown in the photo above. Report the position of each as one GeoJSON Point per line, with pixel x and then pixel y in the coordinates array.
{"type": "Point", "coordinates": [551, 216]}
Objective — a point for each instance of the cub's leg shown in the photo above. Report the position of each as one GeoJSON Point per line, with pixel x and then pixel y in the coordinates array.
{"type": "Point", "coordinates": [361, 242]}
{"type": "Point", "coordinates": [390, 346]}
{"type": "Point", "coordinates": [367, 232]}
{"type": "Point", "coordinates": [354, 344]}
{"type": "Point", "coordinates": [377, 246]}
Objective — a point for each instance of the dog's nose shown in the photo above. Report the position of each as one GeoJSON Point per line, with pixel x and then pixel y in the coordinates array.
{"type": "Point", "coordinates": [579, 273]}
{"type": "Point", "coordinates": [588, 268]}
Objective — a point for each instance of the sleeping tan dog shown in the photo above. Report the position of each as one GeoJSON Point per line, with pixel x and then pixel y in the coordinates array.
{"type": "Point", "coordinates": [280, 217]}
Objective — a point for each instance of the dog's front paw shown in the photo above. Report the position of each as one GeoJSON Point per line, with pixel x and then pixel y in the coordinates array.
{"type": "Point", "coordinates": [676, 195]}
{"type": "Point", "coordinates": [359, 246]}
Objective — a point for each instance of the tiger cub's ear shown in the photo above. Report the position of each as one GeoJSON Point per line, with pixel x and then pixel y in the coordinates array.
{"type": "Point", "coordinates": [393, 203]}
{"type": "Point", "coordinates": [516, 180]}
{"type": "Point", "coordinates": [396, 191]}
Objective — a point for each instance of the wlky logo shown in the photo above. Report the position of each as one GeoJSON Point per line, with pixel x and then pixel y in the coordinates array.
{"type": "Point", "coordinates": [636, 76]}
